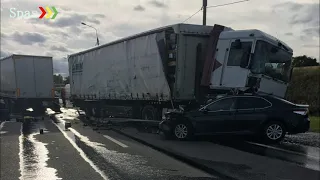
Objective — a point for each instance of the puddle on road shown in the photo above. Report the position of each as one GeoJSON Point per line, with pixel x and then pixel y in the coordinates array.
{"type": "Point", "coordinates": [34, 156]}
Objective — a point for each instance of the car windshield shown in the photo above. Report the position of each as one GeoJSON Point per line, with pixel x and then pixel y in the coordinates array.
{"type": "Point", "coordinates": [271, 61]}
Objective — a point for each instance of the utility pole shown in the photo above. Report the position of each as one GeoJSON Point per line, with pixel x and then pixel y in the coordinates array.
{"type": "Point", "coordinates": [204, 8]}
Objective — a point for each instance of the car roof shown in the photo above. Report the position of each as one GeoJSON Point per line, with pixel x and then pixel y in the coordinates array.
{"type": "Point", "coordinates": [266, 96]}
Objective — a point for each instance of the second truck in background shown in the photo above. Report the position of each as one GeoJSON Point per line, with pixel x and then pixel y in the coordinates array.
{"type": "Point", "coordinates": [27, 82]}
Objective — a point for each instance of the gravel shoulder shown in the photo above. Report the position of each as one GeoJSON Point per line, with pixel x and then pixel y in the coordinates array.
{"type": "Point", "coordinates": [307, 139]}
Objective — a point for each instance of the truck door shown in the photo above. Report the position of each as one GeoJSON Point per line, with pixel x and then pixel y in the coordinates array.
{"type": "Point", "coordinates": [42, 78]}
{"type": "Point", "coordinates": [187, 76]}
{"type": "Point", "coordinates": [233, 75]}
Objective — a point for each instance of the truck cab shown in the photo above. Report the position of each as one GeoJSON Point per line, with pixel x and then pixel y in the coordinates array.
{"type": "Point", "coordinates": [251, 60]}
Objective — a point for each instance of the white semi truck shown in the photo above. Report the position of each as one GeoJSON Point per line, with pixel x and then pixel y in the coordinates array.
{"type": "Point", "coordinates": [26, 82]}
{"type": "Point", "coordinates": [183, 64]}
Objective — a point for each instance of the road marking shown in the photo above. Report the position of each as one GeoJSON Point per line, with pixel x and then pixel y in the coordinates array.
{"type": "Point", "coordinates": [82, 154]}
{"type": "Point", "coordinates": [116, 141]}
{"type": "Point", "coordinates": [283, 150]}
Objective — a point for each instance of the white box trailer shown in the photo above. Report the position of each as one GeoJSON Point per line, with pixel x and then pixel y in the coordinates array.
{"type": "Point", "coordinates": [26, 80]}
{"type": "Point", "coordinates": [166, 67]}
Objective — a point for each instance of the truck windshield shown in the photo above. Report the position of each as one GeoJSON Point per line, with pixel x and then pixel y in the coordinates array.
{"type": "Point", "coordinates": [271, 61]}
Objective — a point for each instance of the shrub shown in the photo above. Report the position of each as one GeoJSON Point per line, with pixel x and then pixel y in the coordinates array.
{"type": "Point", "coordinates": [304, 87]}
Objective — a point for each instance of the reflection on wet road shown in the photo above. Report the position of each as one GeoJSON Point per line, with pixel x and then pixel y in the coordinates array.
{"type": "Point", "coordinates": [34, 155]}
{"type": "Point", "coordinates": [73, 139]}
{"type": "Point", "coordinates": [302, 155]}
{"type": "Point", "coordinates": [112, 164]}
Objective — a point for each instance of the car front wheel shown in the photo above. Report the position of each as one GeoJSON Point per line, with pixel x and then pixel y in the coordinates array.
{"type": "Point", "coordinates": [182, 131]}
{"type": "Point", "coordinates": [274, 132]}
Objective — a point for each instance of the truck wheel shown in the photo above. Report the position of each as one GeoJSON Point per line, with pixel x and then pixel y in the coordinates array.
{"type": "Point", "coordinates": [149, 113]}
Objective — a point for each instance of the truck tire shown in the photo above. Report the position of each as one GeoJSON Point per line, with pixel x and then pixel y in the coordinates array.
{"type": "Point", "coordinates": [149, 113]}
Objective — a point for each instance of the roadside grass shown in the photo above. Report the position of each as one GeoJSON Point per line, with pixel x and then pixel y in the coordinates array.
{"type": "Point", "coordinates": [315, 124]}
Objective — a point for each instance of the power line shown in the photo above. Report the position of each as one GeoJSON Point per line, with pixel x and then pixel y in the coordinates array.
{"type": "Point", "coordinates": [236, 2]}
{"type": "Point", "coordinates": [193, 15]}
{"type": "Point", "coordinates": [228, 4]}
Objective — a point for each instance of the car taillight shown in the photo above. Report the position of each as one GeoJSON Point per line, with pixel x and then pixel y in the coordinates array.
{"type": "Point", "coordinates": [301, 112]}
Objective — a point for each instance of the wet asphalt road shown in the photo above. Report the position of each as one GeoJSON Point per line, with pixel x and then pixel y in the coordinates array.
{"type": "Point", "coordinates": [305, 156]}
{"type": "Point", "coordinates": [9, 150]}
{"type": "Point", "coordinates": [81, 153]}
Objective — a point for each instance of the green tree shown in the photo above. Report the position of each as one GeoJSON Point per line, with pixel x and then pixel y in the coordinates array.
{"type": "Point", "coordinates": [303, 61]}
{"type": "Point", "coordinates": [57, 79]}
{"type": "Point", "coordinates": [67, 80]}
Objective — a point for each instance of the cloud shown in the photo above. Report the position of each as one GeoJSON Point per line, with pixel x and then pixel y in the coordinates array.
{"type": "Point", "coordinates": [311, 45]}
{"type": "Point", "coordinates": [3, 35]}
{"type": "Point", "coordinates": [312, 32]}
{"type": "Point", "coordinates": [301, 13]}
{"type": "Point", "coordinates": [157, 4]}
{"type": "Point", "coordinates": [72, 20]}
{"type": "Point", "coordinates": [123, 30]}
{"type": "Point", "coordinates": [49, 54]}
{"type": "Point", "coordinates": [139, 8]}
{"type": "Point", "coordinates": [99, 15]}
{"type": "Point", "coordinates": [293, 21]}
{"type": "Point", "coordinates": [4, 54]}
{"type": "Point", "coordinates": [60, 65]}
{"type": "Point", "coordinates": [75, 29]}
{"type": "Point", "coordinates": [27, 38]}
{"type": "Point", "coordinates": [59, 48]}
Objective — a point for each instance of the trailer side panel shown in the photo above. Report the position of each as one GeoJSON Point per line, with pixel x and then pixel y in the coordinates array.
{"type": "Point", "coordinates": [126, 70]}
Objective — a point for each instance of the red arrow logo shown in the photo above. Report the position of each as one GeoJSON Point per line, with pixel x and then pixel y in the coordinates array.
{"type": "Point", "coordinates": [43, 12]}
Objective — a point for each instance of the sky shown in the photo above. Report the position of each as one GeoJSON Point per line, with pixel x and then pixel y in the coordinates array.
{"type": "Point", "coordinates": [296, 22]}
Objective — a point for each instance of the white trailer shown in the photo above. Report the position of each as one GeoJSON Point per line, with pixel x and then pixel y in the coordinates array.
{"type": "Point", "coordinates": [26, 81]}
{"type": "Point", "coordinates": [176, 65]}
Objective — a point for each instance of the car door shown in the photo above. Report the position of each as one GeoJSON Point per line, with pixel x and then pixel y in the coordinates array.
{"type": "Point", "coordinates": [213, 117]}
{"type": "Point", "coordinates": [250, 113]}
